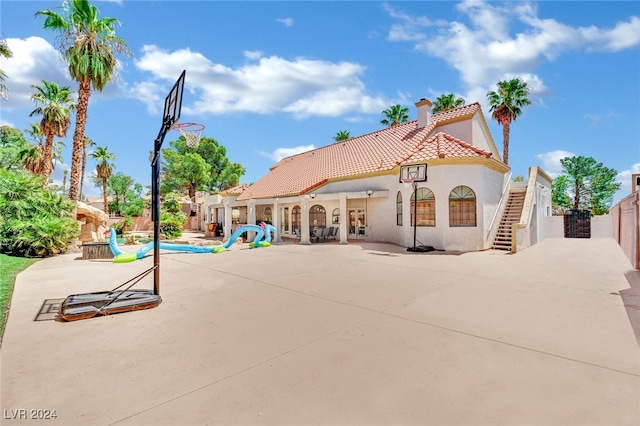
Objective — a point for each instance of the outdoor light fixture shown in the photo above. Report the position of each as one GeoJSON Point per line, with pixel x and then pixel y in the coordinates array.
{"type": "Point", "coordinates": [369, 192]}
{"type": "Point", "coordinates": [313, 196]}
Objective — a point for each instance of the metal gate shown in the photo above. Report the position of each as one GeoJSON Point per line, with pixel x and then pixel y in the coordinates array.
{"type": "Point", "coordinates": [577, 224]}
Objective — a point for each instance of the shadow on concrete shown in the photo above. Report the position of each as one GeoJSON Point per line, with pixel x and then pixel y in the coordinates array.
{"type": "Point", "coordinates": [631, 300]}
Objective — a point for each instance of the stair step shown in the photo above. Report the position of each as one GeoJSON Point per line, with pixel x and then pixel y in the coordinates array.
{"type": "Point", "coordinates": [511, 215]}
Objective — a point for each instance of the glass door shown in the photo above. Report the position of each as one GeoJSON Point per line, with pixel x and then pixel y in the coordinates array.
{"type": "Point", "coordinates": [357, 223]}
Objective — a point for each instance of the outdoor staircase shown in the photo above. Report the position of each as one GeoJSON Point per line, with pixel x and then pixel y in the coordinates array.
{"type": "Point", "coordinates": [511, 215]}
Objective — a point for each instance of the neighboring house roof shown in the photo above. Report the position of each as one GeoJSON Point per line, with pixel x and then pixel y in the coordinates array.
{"type": "Point", "coordinates": [368, 154]}
{"type": "Point", "coordinates": [236, 190]}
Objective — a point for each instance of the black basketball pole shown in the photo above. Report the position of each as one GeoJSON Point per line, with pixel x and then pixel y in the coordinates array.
{"type": "Point", "coordinates": [155, 202]}
{"type": "Point", "coordinates": [415, 212]}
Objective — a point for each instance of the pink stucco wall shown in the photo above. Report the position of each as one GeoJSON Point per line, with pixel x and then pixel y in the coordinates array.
{"type": "Point", "coordinates": [626, 227]}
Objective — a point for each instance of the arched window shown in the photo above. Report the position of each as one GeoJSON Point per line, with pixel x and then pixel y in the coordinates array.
{"type": "Point", "coordinates": [425, 208]}
{"type": "Point", "coordinates": [335, 216]}
{"type": "Point", "coordinates": [399, 209]}
{"type": "Point", "coordinates": [462, 207]}
{"type": "Point", "coordinates": [317, 216]}
{"type": "Point", "coordinates": [295, 218]}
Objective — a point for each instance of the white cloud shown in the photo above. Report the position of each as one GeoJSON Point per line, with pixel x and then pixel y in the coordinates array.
{"type": "Point", "coordinates": [280, 153]}
{"type": "Point", "coordinates": [551, 161]}
{"type": "Point", "coordinates": [596, 119]}
{"type": "Point", "coordinates": [286, 21]}
{"type": "Point", "coordinates": [4, 122]}
{"type": "Point", "coordinates": [33, 60]}
{"type": "Point", "coordinates": [252, 54]}
{"type": "Point", "coordinates": [484, 50]}
{"type": "Point", "coordinates": [624, 177]}
{"type": "Point", "coordinates": [302, 87]}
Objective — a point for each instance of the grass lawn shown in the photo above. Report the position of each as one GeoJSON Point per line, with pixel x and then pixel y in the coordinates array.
{"type": "Point", "coordinates": [10, 266]}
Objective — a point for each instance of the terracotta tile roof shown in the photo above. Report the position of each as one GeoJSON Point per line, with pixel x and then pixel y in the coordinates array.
{"type": "Point", "coordinates": [374, 152]}
{"type": "Point", "coordinates": [236, 190]}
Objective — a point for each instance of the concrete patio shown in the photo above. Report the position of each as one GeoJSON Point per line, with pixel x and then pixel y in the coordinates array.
{"type": "Point", "coordinates": [364, 334]}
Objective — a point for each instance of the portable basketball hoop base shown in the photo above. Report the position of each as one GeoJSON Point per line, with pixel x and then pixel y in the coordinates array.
{"type": "Point", "coordinates": [410, 175]}
{"type": "Point", "coordinates": [89, 305]}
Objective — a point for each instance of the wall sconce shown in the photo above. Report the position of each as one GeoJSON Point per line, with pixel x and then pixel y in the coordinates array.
{"type": "Point", "coordinates": [369, 192]}
{"type": "Point", "coordinates": [312, 196]}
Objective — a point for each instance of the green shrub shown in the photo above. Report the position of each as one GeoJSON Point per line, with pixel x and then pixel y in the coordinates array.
{"type": "Point", "coordinates": [35, 222]}
{"type": "Point", "coordinates": [171, 224]}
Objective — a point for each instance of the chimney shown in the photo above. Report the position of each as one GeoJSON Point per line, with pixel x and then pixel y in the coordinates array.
{"type": "Point", "coordinates": [424, 112]}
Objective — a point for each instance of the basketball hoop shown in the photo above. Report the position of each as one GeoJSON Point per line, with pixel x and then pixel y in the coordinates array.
{"type": "Point", "coordinates": [192, 132]}
{"type": "Point", "coordinates": [408, 182]}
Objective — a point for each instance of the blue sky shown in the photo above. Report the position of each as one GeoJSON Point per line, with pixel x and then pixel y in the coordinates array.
{"type": "Point", "coordinates": [269, 79]}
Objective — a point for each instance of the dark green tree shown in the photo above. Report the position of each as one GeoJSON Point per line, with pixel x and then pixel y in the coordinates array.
{"type": "Point", "coordinates": [203, 168]}
{"type": "Point", "coordinates": [585, 184]}
{"type": "Point", "coordinates": [12, 144]}
{"type": "Point", "coordinates": [126, 195]}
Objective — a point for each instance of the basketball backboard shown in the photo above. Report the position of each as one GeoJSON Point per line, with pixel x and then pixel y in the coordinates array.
{"type": "Point", "coordinates": [414, 172]}
{"type": "Point", "coordinates": [173, 102]}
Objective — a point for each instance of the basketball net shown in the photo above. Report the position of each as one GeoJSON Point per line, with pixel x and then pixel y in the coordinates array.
{"type": "Point", "coordinates": [408, 182]}
{"type": "Point", "coordinates": [192, 132]}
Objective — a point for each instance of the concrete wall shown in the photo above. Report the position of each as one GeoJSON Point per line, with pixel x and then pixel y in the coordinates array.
{"type": "Point", "coordinates": [625, 221]}
{"type": "Point", "coordinates": [601, 227]}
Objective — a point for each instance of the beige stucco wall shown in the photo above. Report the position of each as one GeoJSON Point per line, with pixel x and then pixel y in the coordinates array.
{"type": "Point", "coordinates": [601, 227]}
{"type": "Point", "coordinates": [625, 221]}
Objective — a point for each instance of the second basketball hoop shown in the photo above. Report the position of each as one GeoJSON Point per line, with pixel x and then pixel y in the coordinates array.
{"type": "Point", "coordinates": [192, 132]}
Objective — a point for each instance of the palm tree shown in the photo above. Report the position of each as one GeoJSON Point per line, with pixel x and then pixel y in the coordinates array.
{"type": "Point", "coordinates": [506, 105]}
{"type": "Point", "coordinates": [56, 152]}
{"type": "Point", "coordinates": [87, 142]}
{"type": "Point", "coordinates": [342, 135]}
{"type": "Point", "coordinates": [89, 44]}
{"type": "Point", "coordinates": [446, 102]}
{"type": "Point", "coordinates": [54, 104]}
{"type": "Point", "coordinates": [103, 170]}
{"type": "Point", "coordinates": [6, 52]}
{"type": "Point", "coordinates": [395, 115]}
{"type": "Point", "coordinates": [64, 180]}
{"type": "Point", "coordinates": [31, 156]}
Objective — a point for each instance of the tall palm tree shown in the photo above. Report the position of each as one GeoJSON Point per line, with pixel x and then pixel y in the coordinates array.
{"type": "Point", "coordinates": [89, 44]}
{"type": "Point", "coordinates": [342, 135]}
{"type": "Point", "coordinates": [395, 115]}
{"type": "Point", "coordinates": [86, 143]}
{"type": "Point", "coordinates": [506, 105]}
{"type": "Point", "coordinates": [54, 104]}
{"type": "Point", "coordinates": [6, 52]}
{"type": "Point", "coordinates": [446, 102]}
{"type": "Point", "coordinates": [103, 170]}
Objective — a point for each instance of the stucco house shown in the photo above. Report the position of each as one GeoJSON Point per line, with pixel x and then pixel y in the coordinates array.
{"type": "Point", "coordinates": [353, 186]}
